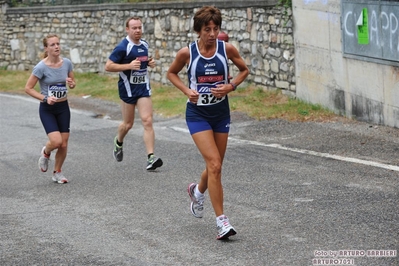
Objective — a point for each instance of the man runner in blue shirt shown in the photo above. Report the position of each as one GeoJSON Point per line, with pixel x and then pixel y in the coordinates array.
{"type": "Point", "coordinates": [130, 58]}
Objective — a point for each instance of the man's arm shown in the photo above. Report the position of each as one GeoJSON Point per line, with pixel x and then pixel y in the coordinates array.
{"type": "Point", "coordinates": [111, 66]}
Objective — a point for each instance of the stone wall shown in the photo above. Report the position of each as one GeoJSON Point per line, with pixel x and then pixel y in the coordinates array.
{"type": "Point", "coordinates": [262, 32]}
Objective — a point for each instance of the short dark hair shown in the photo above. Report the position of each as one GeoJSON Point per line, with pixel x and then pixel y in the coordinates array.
{"type": "Point", "coordinates": [205, 15]}
{"type": "Point", "coordinates": [131, 18]}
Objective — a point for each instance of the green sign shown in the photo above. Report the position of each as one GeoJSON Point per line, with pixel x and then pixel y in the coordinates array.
{"type": "Point", "coordinates": [363, 27]}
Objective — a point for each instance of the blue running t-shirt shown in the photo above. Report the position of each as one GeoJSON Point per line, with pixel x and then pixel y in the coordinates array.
{"type": "Point", "coordinates": [132, 84]}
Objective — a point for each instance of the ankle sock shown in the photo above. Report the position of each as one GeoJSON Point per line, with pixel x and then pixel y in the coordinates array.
{"type": "Point", "coordinates": [221, 217]}
{"type": "Point", "coordinates": [197, 193]}
{"type": "Point", "coordinates": [45, 154]}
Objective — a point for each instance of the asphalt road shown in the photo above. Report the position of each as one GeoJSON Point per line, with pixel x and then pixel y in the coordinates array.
{"type": "Point", "coordinates": [297, 193]}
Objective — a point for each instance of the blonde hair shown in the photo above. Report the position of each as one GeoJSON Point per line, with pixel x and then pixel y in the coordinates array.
{"type": "Point", "coordinates": [45, 44]}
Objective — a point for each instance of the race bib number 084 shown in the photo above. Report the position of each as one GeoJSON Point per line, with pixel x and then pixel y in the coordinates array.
{"type": "Point", "coordinates": [138, 76]}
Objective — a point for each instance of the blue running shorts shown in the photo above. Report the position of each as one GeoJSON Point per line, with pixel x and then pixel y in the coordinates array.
{"type": "Point", "coordinates": [55, 117]}
{"type": "Point", "coordinates": [221, 126]}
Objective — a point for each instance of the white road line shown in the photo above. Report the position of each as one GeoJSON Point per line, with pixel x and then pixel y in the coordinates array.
{"type": "Point", "coordinates": [24, 98]}
{"type": "Point", "coordinates": [33, 100]}
{"type": "Point", "coordinates": [321, 154]}
{"type": "Point", "coordinates": [314, 153]}
{"type": "Point", "coordinates": [277, 146]}
{"type": "Point", "coordinates": [185, 130]}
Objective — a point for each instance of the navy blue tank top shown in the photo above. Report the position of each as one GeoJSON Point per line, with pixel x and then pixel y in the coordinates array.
{"type": "Point", "coordinates": [205, 73]}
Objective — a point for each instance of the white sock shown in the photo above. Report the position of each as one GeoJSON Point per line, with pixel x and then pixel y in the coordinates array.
{"type": "Point", "coordinates": [197, 193]}
{"type": "Point", "coordinates": [221, 217]}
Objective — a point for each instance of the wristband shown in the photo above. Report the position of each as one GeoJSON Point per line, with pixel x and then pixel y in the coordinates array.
{"type": "Point", "coordinates": [233, 85]}
{"type": "Point", "coordinates": [44, 99]}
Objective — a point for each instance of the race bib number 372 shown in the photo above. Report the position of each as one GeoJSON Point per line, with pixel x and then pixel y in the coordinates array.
{"type": "Point", "coordinates": [205, 95]}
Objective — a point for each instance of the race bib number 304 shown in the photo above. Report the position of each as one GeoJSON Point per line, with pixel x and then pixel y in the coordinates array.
{"type": "Point", "coordinates": [205, 95]}
{"type": "Point", "coordinates": [58, 91]}
{"type": "Point", "coordinates": [138, 76]}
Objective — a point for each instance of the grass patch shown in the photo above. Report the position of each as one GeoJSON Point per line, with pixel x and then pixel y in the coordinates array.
{"type": "Point", "coordinates": [100, 86]}
{"type": "Point", "coordinates": [260, 104]}
{"type": "Point", "coordinates": [169, 101]}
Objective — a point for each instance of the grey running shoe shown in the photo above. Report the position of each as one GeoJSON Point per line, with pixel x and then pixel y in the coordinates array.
{"type": "Point", "coordinates": [118, 151]}
{"type": "Point", "coordinates": [225, 230]}
{"type": "Point", "coordinates": [153, 163]}
{"type": "Point", "coordinates": [43, 160]}
{"type": "Point", "coordinates": [197, 204]}
{"type": "Point", "coordinates": [59, 178]}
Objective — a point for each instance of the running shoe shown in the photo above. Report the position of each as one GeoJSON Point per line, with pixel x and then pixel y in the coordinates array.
{"type": "Point", "coordinates": [153, 163]}
{"type": "Point", "coordinates": [43, 160]}
{"type": "Point", "coordinates": [225, 230]}
{"type": "Point", "coordinates": [118, 151]}
{"type": "Point", "coordinates": [59, 178]}
{"type": "Point", "coordinates": [197, 204]}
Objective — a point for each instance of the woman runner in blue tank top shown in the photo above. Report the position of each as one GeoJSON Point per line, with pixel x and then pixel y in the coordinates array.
{"type": "Point", "coordinates": [208, 111]}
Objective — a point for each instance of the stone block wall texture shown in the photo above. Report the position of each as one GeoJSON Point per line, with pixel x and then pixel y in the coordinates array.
{"type": "Point", "coordinates": [261, 30]}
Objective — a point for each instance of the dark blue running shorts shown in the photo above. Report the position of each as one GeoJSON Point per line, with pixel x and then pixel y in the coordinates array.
{"type": "Point", "coordinates": [221, 126]}
{"type": "Point", "coordinates": [55, 117]}
{"type": "Point", "coordinates": [132, 100]}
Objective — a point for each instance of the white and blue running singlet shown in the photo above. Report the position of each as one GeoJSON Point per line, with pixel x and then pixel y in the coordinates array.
{"type": "Point", "coordinates": [203, 74]}
{"type": "Point", "coordinates": [132, 84]}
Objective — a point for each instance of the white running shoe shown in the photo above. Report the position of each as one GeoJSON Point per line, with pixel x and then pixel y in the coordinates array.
{"type": "Point", "coordinates": [43, 160]}
{"type": "Point", "coordinates": [224, 228]}
{"type": "Point", "coordinates": [197, 204]}
{"type": "Point", "coordinates": [59, 178]}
